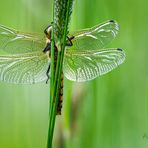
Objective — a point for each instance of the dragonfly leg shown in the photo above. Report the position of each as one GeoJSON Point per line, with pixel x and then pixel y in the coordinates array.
{"type": "Point", "coordinates": [46, 29]}
{"type": "Point", "coordinates": [47, 73]}
{"type": "Point", "coordinates": [69, 43]}
{"type": "Point", "coordinates": [47, 48]}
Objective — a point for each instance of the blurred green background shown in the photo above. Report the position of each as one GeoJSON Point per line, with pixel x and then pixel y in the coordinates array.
{"type": "Point", "coordinates": [108, 112]}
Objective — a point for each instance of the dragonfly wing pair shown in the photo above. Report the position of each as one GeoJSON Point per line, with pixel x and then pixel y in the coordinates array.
{"type": "Point", "coordinates": [87, 59]}
{"type": "Point", "coordinates": [22, 59]}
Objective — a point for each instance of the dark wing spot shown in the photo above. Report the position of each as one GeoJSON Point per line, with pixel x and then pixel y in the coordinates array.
{"type": "Point", "coordinates": [112, 21]}
{"type": "Point", "coordinates": [119, 49]}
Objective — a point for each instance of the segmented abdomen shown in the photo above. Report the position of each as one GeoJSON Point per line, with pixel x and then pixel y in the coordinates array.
{"type": "Point", "coordinates": [59, 107]}
{"type": "Point", "coordinates": [60, 99]}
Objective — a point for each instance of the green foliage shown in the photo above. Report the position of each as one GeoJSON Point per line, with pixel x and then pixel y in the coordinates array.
{"type": "Point", "coordinates": [62, 11]}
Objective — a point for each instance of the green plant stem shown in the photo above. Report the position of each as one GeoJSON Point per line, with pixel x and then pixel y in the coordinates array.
{"type": "Point", "coordinates": [55, 80]}
{"type": "Point", "coordinates": [52, 68]}
{"type": "Point", "coordinates": [49, 141]}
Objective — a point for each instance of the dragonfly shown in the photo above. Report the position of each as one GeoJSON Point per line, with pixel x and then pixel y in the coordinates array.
{"type": "Point", "coordinates": [25, 57]}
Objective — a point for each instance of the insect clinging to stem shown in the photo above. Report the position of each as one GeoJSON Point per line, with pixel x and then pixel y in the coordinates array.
{"type": "Point", "coordinates": [25, 57]}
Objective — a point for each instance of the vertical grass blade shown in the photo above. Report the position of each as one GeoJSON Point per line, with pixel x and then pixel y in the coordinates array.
{"type": "Point", "coordinates": [62, 11]}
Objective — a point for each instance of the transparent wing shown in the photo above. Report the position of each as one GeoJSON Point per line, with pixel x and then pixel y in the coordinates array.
{"type": "Point", "coordinates": [26, 68]}
{"type": "Point", "coordinates": [21, 57]}
{"type": "Point", "coordinates": [15, 42]}
{"type": "Point", "coordinates": [96, 37]}
{"type": "Point", "coordinates": [88, 64]}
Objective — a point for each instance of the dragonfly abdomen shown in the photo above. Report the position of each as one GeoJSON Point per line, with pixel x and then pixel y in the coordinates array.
{"type": "Point", "coordinates": [60, 99]}
{"type": "Point", "coordinates": [59, 107]}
